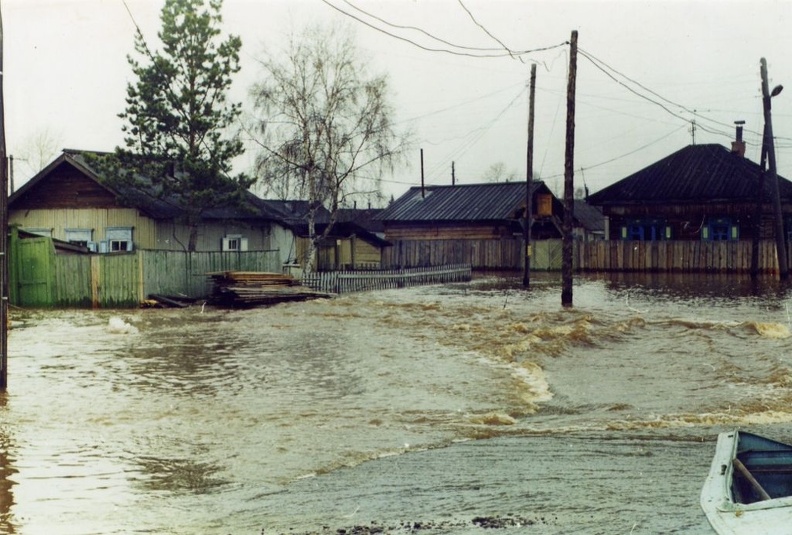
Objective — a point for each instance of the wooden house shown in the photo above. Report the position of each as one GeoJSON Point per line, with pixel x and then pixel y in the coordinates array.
{"type": "Point", "coordinates": [701, 192]}
{"type": "Point", "coordinates": [354, 242]}
{"type": "Point", "coordinates": [472, 212]}
{"type": "Point", "coordinates": [589, 222]}
{"type": "Point", "coordinates": [69, 200]}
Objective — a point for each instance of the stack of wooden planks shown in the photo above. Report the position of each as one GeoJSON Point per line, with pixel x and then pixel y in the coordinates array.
{"type": "Point", "coordinates": [241, 289]}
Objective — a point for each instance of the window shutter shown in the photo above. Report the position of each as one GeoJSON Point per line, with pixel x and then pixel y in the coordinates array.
{"type": "Point", "coordinates": [243, 244]}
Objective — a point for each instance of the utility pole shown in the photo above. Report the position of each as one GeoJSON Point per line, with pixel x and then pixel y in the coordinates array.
{"type": "Point", "coordinates": [3, 233]}
{"type": "Point", "coordinates": [783, 270]}
{"type": "Point", "coordinates": [529, 180]}
{"type": "Point", "coordinates": [453, 175]}
{"type": "Point", "coordinates": [423, 191]}
{"type": "Point", "coordinates": [757, 226]}
{"type": "Point", "coordinates": [569, 178]}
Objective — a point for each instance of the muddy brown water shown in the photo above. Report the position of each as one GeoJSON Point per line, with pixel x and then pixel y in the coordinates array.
{"type": "Point", "coordinates": [435, 405]}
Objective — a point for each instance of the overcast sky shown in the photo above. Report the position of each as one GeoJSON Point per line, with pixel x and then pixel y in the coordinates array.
{"type": "Point", "coordinates": [65, 75]}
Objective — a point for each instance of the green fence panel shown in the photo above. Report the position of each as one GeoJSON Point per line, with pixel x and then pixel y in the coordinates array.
{"type": "Point", "coordinates": [35, 269]}
{"type": "Point", "coordinates": [119, 281]}
{"type": "Point", "coordinates": [72, 281]}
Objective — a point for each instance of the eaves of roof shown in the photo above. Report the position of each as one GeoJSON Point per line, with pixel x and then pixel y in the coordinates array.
{"type": "Point", "coordinates": [469, 202]}
{"type": "Point", "coordinates": [147, 202]}
{"type": "Point", "coordinates": [692, 175]}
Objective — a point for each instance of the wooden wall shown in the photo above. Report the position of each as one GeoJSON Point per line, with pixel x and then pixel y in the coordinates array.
{"type": "Point", "coordinates": [148, 233]}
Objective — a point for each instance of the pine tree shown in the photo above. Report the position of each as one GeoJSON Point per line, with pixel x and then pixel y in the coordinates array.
{"type": "Point", "coordinates": [177, 116]}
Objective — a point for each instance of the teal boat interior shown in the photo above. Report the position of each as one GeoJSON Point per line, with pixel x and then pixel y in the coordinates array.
{"type": "Point", "coordinates": [762, 469]}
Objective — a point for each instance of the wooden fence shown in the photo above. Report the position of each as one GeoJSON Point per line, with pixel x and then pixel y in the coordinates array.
{"type": "Point", "coordinates": [501, 254]}
{"type": "Point", "coordinates": [358, 281]}
{"type": "Point", "coordinates": [616, 255]}
{"type": "Point", "coordinates": [675, 256]}
{"type": "Point", "coordinates": [41, 278]}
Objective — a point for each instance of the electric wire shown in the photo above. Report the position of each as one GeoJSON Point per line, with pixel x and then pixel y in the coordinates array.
{"type": "Point", "coordinates": [477, 23]}
{"type": "Point", "coordinates": [609, 71]}
{"type": "Point", "coordinates": [484, 53]}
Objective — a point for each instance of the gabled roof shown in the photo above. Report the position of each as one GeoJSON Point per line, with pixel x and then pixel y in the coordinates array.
{"type": "Point", "coordinates": [365, 218]}
{"type": "Point", "coordinates": [694, 174]}
{"type": "Point", "coordinates": [469, 202]}
{"type": "Point", "coordinates": [346, 223]}
{"type": "Point", "coordinates": [141, 199]}
{"type": "Point", "coordinates": [590, 217]}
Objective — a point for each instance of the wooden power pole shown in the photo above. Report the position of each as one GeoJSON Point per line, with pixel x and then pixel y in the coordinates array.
{"type": "Point", "coordinates": [569, 178]}
{"type": "Point", "coordinates": [783, 269]}
{"type": "Point", "coordinates": [529, 180]}
{"type": "Point", "coordinates": [3, 233]}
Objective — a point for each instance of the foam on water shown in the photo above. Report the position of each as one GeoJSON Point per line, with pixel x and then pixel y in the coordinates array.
{"type": "Point", "coordinates": [197, 422]}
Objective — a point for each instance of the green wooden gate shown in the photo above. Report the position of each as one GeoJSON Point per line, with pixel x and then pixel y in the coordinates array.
{"type": "Point", "coordinates": [33, 267]}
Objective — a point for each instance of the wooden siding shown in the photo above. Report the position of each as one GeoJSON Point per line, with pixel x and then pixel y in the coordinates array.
{"type": "Point", "coordinates": [67, 187]}
{"type": "Point", "coordinates": [147, 233]}
{"type": "Point", "coordinates": [447, 232]}
{"type": "Point", "coordinates": [686, 221]}
{"type": "Point", "coordinates": [346, 253]}
{"type": "Point", "coordinates": [97, 219]}
{"type": "Point", "coordinates": [172, 236]}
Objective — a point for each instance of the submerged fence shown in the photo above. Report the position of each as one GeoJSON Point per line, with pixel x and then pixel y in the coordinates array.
{"type": "Point", "coordinates": [359, 281]}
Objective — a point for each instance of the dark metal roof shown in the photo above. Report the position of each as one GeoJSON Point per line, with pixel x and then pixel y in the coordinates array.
{"type": "Point", "coordinates": [474, 202]}
{"type": "Point", "coordinates": [590, 217]}
{"type": "Point", "coordinates": [347, 221]}
{"type": "Point", "coordinates": [694, 174]}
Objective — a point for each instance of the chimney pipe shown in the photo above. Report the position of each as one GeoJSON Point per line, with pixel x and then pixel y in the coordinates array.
{"type": "Point", "coordinates": [738, 146]}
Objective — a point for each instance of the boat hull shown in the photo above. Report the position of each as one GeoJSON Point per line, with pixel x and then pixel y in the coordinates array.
{"type": "Point", "coordinates": [734, 504]}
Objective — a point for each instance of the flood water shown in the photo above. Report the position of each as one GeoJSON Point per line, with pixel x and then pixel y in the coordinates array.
{"type": "Point", "coordinates": [428, 407]}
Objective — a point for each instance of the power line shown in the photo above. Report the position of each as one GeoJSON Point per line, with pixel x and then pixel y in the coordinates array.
{"type": "Point", "coordinates": [506, 48]}
{"type": "Point", "coordinates": [484, 52]}
{"type": "Point", "coordinates": [415, 28]}
{"type": "Point", "coordinates": [481, 131]}
{"type": "Point", "coordinates": [608, 71]}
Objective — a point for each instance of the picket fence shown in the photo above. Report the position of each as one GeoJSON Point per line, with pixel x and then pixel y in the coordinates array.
{"type": "Point", "coordinates": [358, 281]}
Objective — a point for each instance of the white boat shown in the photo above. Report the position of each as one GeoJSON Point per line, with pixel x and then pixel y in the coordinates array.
{"type": "Point", "coordinates": [749, 487]}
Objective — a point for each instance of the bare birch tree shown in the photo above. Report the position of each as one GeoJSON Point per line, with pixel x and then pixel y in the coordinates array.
{"type": "Point", "coordinates": [324, 126]}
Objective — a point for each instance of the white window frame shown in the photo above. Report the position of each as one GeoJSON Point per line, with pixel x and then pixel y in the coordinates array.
{"type": "Point", "coordinates": [119, 239]}
{"type": "Point", "coordinates": [81, 236]}
{"type": "Point", "coordinates": [234, 242]}
{"type": "Point", "coordinates": [46, 232]}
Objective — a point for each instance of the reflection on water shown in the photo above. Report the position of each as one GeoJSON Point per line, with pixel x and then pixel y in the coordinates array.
{"type": "Point", "coordinates": [7, 472]}
{"type": "Point", "coordinates": [217, 421]}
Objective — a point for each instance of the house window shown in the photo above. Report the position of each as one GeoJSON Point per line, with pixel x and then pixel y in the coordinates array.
{"type": "Point", "coordinates": [235, 242]}
{"type": "Point", "coordinates": [40, 231]}
{"type": "Point", "coordinates": [79, 236]}
{"type": "Point", "coordinates": [646, 230]}
{"type": "Point", "coordinates": [118, 239]}
{"type": "Point", "coordinates": [544, 205]}
{"type": "Point", "coordinates": [720, 229]}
